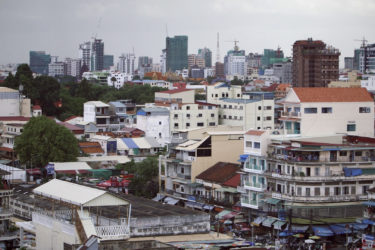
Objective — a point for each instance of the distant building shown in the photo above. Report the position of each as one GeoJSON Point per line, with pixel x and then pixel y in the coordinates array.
{"type": "Point", "coordinates": [235, 63]}
{"type": "Point", "coordinates": [283, 71]}
{"type": "Point", "coordinates": [85, 54]}
{"type": "Point", "coordinates": [219, 70]}
{"type": "Point", "coordinates": [349, 62]}
{"type": "Point", "coordinates": [351, 81]}
{"type": "Point", "coordinates": [97, 55]}
{"type": "Point", "coordinates": [144, 65]}
{"type": "Point", "coordinates": [73, 67]}
{"type": "Point", "coordinates": [195, 60]}
{"type": "Point", "coordinates": [126, 63]}
{"type": "Point", "coordinates": [56, 68]}
{"type": "Point", "coordinates": [369, 83]}
{"type": "Point", "coordinates": [314, 63]}
{"type": "Point", "coordinates": [196, 72]}
{"type": "Point", "coordinates": [254, 60]}
{"type": "Point", "coordinates": [271, 56]}
{"type": "Point", "coordinates": [117, 79]}
{"type": "Point", "coordinates": [176, 53]}
{"type": "Point", "coordinates": [108, 61]}
{"type": "Point", "coordinates": [206, 54]}
{"type": "Point", "coordinates": [13, 104]}
{"type": "Point", "coordinates": [367, 59]}
{"type": "Point", "coordinates": [39, 61]}
{"type": "Point", "coordinates": [163, 61]}
{"type": "Point", "coordinates": [356, 59]}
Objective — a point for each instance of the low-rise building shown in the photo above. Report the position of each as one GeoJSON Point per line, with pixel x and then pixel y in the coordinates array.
{"type": "Point", "coordinates": [97, 112]}
{"type": "Point", "coordinates": [222, 90]}
{"type": "Point", "coordinates": [175, 96]}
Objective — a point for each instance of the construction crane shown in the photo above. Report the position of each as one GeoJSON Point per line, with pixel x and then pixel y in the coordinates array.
{"type": "Point", "coordinates": [363, 40]}
{"type": "Point", "coordinates": [236, 48]}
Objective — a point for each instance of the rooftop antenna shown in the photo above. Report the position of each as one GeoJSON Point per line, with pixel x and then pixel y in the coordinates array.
{"type": "Point", "coordinates": [166, 29]}
{"type": "Point", "coordinates": [363, 40]}
{"type": "Point", "coordinates": [217, 49]}
{"type": "Point", "coordinates": [236, 48]}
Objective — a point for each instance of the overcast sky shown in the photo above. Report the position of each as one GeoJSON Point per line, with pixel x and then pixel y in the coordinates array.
{"type": "Point", "coordinates": [58, 27]}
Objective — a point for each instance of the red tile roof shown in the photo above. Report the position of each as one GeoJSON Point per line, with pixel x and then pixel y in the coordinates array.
{"type": "Point", "coordinates": [234, 181]}
{"type": "Point", "coordinates": [90, 147]}
{"type": "Point", "coordinates": [37, 107]}
{"type": "Point", "coordinates": [219, 173]}
{"type": "Point", "coordinates": [283, 86]}
{"type": "Point", "coordinates": [255, 132]}
{"type": "Point", "coordinates": [6, 149]}
{"type": "Point", "coordinates": [271, 88]}
{"type": "Point", "coordinates": [333, 95]}
{"type": "Point", "coordinates": [14, 118]}
{"type": "Point", "coordinates": [174, 91]}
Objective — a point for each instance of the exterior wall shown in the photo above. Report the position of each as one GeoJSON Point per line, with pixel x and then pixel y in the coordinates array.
{"type": "Point", "coordinates": [52, 233]}
{"type": "Point", "coordinates": [185, 96]}
{"type": "Point", "coordinates": [214, 93]}
{"type": "Point", "coordinates": [156, 126]}
{"type": "Point", "coordinates": [89, 113]}
{"type": "Point", "coordinates": [369, 84]}
{"type": "Point", "coordinates": [203, 116]}
{"type": "Point", "coordinates": [9, 103]}
{"type": "Point", "coordinates": [252, 115]}
{"type": "Point", "coordinates": [220, 145]}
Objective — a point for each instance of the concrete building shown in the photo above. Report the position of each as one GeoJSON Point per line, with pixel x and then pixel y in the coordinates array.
{"type": "Point", "coordinates": [56, 68]}
{"type": "Point", "coordinates": [254, 60]}
{"type": "Point", "coordinates": [108, 62]}
{"type": "Point", "coordinates": [196, 72]}
{"type": "Point", "coordinates": [369, 83]}
{"type": "Point", "coordinates": [255, 112]}
{"type": "Point", "coordinates": [117, 79]}
{"type": "Point", "coordinates": [351, 81]}
{"type": "Point", "coordinates": [206, 54]}
{"type": "Point", "coordinates": [73, 67]}
{"type": "Point", "coordinates": [163, 61]}
{"type": "Point", "coordinates": [85, 54]}
{"type": "Point", "coordinates": [39, 61]}
{"type": "Point", "coordinates": [175, 96]}
{"type": "Point", "coordinates": [176, 53]}
{"type": "Point", "coordinates": [367, 59]}
{"type": "Point", "coordinates": [97, 55]}
{"type": "Point", "coordinates": [222, 90]}
{"type": "Point", "coordinates": [349, 63]}
{"type": "Point", "coordinates": [283, 71]}
{"type": "Point", "coordinates": [144, 65]}
{"type": "Point", "coordinates": [219, 70]}
{"type": "Point", "coordinates": [196, 60]}
{"type": "Point", "coordinates": [13, 104]}
{"type": "Point", "coordinates": [98, 113]}
{"type": "Point", "coordinates": [282, 90]}
{"type": "Point", "coordinates": [197, 151]}
{"type": "Point", "coordinates": [126, 63]}
{"type": "Point", "coordinates": [154, 121]}
{"type": "Point", "coordinates": [328, 111]}
{"type": "Point", "coordinates": [235, 63]}
{"type": "Point", "coordinates": [314, 64]}
{"type": "Point", "coordinates": [193, 115]}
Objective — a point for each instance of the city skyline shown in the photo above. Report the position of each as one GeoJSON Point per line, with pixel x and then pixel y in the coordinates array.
{"type": "Point", "coordinates": [144, 25]}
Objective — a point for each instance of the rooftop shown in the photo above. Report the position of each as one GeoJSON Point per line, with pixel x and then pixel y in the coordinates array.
{"type": "Point", "coordinates": [175, 91]}
{"type": "Point", "coordinates": [333, 95]}
{"type": "Point", "coordinates": [255, 132]}
{"type": "Point", "coordinates": [5, 89]}
{"type": "Point", "coordinates": [220, 172]}
{"type": "Point", "coordinates": [98, 104]}
{"type": "Point", "coordinates": [118, 104]}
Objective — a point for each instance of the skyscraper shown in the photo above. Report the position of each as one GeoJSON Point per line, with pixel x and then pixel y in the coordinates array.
{"type": "Point", "coordinates": [314, 63]}
{"type": "Point", "coordinates": [235, 62]}
{"type": "Point", "coordinates": [85, 54]}
{"type": "Point", "coordinates": [108, 61]}
{"type": "Point", "coordinates": [367, 59]}
{"type": "Point", "coordinates": [39, 61]}
{"type": "Point", "coordinates": [126, 63]}
{"type": "Point", "coordinates": [207, 55]}
{"type": "Point", "coordinates": [177, 53]}
{"type": "Point", "coordinates": [97, 55]}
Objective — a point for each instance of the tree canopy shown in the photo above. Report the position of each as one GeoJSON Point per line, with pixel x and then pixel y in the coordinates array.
{"type": "Point", "coordinates": [43, 141]}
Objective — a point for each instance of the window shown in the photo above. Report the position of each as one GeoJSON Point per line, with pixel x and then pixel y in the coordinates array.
{"type": "Point", "coordinates": [326, 110]}
{"type": "Point", "coordinates": [311, 110]}
{"type": "Point", "coordinates": [230, 106]}
{"type": "Point", "coordinates": [241, 107]}
{"type": "Point", "coordinates": [346, 190]}
{"type": "Point", "coordinates": [358, 153]}
{"type": "Point", "coordinates": [182, 170]}
{"type": "Point", "coordinates": [268, 107]}
{"type": "Point", "coordinates": [188, 115]}
{"type": "Point", "coordinates": [364, 109]}
{"type": "Point", "coordinates": [238, 95]}
{"type": "Point", "coordinates": [159, 135]}
{"type": "Point", "coordinates": [343, 153]}
{"type": "Point", "coordinates": [224, 117]}
{"type": "Point", "coordinates": [182, 189]}
{"type": "Point", "coordinates": [225, 106]}
{"type": "Point", "coordinates": [200, 124]}
{"type": "Point", "coordinates": [353, 190]}
{"type": "Point", "coordinates": [216, 95]}
{"type": "Point", "coordinates": [230, 117]}
{"type": "Point", "coordinates": [268, 118]}
{"type": "Point", "coordinates": [187, 124]}
{"type": "Point", "coordinates": [308, 192]}
{"type": "Point", "coordinates": [176, 125]}
{"type": "Point", "coordinates": [211, 124]}
{"type": "Point", "coordinates": [337, 191]}
{"type": "Point", "coordinates": [200, 115]}
{"type": "Point", "coordinates": [187, 107]}
{"type": "Point", "coordinates": [317, 171]}
{"type": "Point", "coordinates": [248, 144]}
{"type": "Point", "coordinates": [175, 116]}
{"type": "Point", "coordinates": [317, 191]}
{"type": "Point", "coordinates": [350, 127]}
{"type": "Point", "coordinates": [212, 115]}
{"type": "Point", "coordinates": [235, 117]}
{"type": "Point", "coordinates": [326, 191]}
{"type": "Point", "coordinates": [241, 117]}
{"type": "Point", "coordinates": [256, 144]}
{"type": "Point", "coordinates": [364, 189]}
{"type": "Point", "coordinates": [299, 191]}
{"type": "Point", "coordinates": [258, 118]}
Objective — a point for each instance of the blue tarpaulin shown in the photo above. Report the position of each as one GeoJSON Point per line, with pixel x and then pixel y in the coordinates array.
{"type": "Point", "coordinates": [141, 112]}
{"type": "Point", "coordinates": [368, 222]}
{"type": "Point", "coordinates": [243, 158]}
{"type": "Point", "coordinates": [323, 231]}
{"type": "Point", "coordinates": [129, 142]}
{"type": "Point", "coordinates": [369, 203]}
{"type": "Point", "coordinates": [340, 229]}
{"type": "Point", "coordinates": [352, 172]}
{"type": "Point", "coordinates": [359, 226]}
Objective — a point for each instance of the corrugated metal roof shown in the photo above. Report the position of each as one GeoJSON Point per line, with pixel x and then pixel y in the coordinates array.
{"type": "Point", "coordinates": [191, 145]}
{"type": "Point", "coordinates": [117, 104]}
{"type": "Point", "coordinates": [60, 166]}
{"type": "Point", "coordinates": [141, 143]}
{"type": "Point", "coordinates": [129, 143]}
{"type": "Point", "coordinates": [98, 104]}
{"type": "Point", "coordinates": [118, 158]}
{"type": "Point", "coordinates": [121, 144]}
{"type": "Point", "coordinates": [153, 111]}
{"type": "Point", "coordinates": [153, 142]}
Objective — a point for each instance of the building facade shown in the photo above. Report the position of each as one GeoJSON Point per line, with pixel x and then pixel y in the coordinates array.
{"type": "Point", "coordinates": [367, 59]}
{"type": "Point", "coordinates": [85, 54]}
{"type": "Point", "coordinates": [39, 61]}
{"type": "Point", "coordinates": [314, 63]}
{"type": "Point", "coordinates": [176, 53]}
{"type": "Point", "coordinates": [97, 55]}
{"type": "Point", "coordinates": [126, 63]}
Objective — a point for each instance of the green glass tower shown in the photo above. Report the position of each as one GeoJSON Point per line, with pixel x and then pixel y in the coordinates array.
{"type": "Point", "coordinates": [177, 53]}
{"type": "Point", "coordinates": [39, 61]}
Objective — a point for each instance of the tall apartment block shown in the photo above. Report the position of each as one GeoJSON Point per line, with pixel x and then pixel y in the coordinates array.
{"type": "Point", "coordinates": [97, 55]}
{"type": "Point", "coordinates": [177, 53]}
{"type": "Point", "coordinates": [314, 63]}
{"type": "Point", "coordinates": [85, 54]}
{"type": "Point", "coordinates": [39, 61]}
{"type": "Point", "coordinates": [367, 59]}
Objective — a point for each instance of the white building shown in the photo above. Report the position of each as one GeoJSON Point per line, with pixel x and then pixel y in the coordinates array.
{"type": "Point", "coordinates": [163, 61]}
{"type": "Point", "coordinates": [154, 121]}
{"type": "Point", "coordinates": [175, 96]}
{"type": "Point", "coordinates": [158, 83]}
{"type": "Point", "coordinates": [73, 67]}
{"type": "Point", "coordinates": [368, 83]}
{"type": "Point", "coordinates": [98, 113]}
{"type": "Point", "coordinates": [13, 104]}
{"type": "Point", "coordinates": [222, 90]}
{"type": "Point", "coordinates": [85, 54]}
{"type": "Point", "coordinates": [56, 68]}
{"type": "Point", "coordinates": [120, 79]}
{"type": "Point", "coordinates": [256, 112]}
{"type": "Point", "coordinates": [209, 72]}
{"type": "Point", "coordinates": [328, 111]}
{"type": "Point", "coordinates": [126, 63]}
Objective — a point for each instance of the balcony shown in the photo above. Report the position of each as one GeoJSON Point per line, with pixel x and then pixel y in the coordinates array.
{"type": "Point", "coordinates": [291, 114]}
{"type": "Point", "coordinates": [241, 190]}
{"type": "Point", "coordinates": [316, 158]}
{"type": "Point", "coordinates": [339, 176]}
{"type": "Point", "coordinates": [246, 202]}
{"type": "Point", "coordinates": [253, 168]}
{"type": "Point", "coordinates": [113, 232]}
{"type": "Point", "coordinates": [6, 192]}
{"type": "Point", "coordinates": [318, 199]}
{"type": "Point", "coordinates": [5, 213]}
{"type": "Point", "coordinates": [258, 187]}
{"type": "Point", "coordinates": [183, 176]}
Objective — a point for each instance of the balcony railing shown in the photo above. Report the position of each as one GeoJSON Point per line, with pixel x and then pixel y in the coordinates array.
{"type": "Point", "coordinates": [291, 114]}
{"type": "Point", "coordinates": [113, 232]}
{"type": "Point", "coordinates": [183, 176]}
{"type": "Point", "coordinates": [247, 201]}
{"type": "Point", "coordinates": [6, 192]}
{"type": "Point", "coordinates": [255, 186]}
{"type": "Point", "coordinates": [305, 158]}
{"type": "Point", "coordinates": [332, 177]}
{"type": "Point", "coordinates": [326, 198]}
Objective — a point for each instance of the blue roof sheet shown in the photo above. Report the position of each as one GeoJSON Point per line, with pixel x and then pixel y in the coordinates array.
{"type": "Point", "coordinates": [323, 231]}
{"type": "Point", "coordinates": [129, 142]}
{"type": "Point", "coordinates": [118, 104]}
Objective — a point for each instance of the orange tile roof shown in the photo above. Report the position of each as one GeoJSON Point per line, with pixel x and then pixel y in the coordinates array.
{"type": "Point", "coordinates": [255, 132]}
{"type": "Point", "coordinates": [333, 95]}
{"type": "Point", "coordinates": [91, 147]}
{"type": "Point", "coordinates": [92, 150]}
{"type": "Point", "coordinates": [283, 86]}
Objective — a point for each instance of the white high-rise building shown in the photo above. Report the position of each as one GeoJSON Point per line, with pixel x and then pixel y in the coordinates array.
{"type": "Point", "coordinates": [126, 63]}
{"type": "Point", "coordinates": [73, 67]}
{"type": "Point", "coordinates": [85, 53]}
{"type": "Point", "coordinates": [163, 61]}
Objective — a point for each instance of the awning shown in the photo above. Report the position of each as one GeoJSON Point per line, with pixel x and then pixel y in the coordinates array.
{"type": "Point", "coordinates": [243, 158]}
{"type": "Point", "coordinates": [269, 221]}
{"type": "Point", "coordinates": [258, 221]}
{"type": "Point", "coordinates": [222, 213]}
{"type": "Point", "coordinates": [279, 224]}
{"type": "Point", "coordinates": [286, 233]}
{"type": "Point", "coordinates": [369, 203]}
{"type": "Point", "coordinates": [273, 201]}
{"type": "Point", "coordinates": [299, 229]}
{"type": "Point", "coordinates": [208, 207]}
{"type": "Point", "coordinates": [194, 204]}
{"type": "Point", "coordinates": [158, 197]}
{"type": "Point", "coordinates": [227, 189]}
{"type": "Point", "coordinates": [171, 201]}
{"type": "Point", "coordinates": [340, 229]}
{"type": "Point", "coordinates": [359, 226]}
{"type": "Point", "coordinates": [34, 171]}
{"type": "Point", "coordinates": [368, 222]}
{"type": "Point", "coordinates": [230, 215]}
{"type": "Point", "coordinates": [323, 231]}
{"type": "Point", "coordinates": [352, 172]}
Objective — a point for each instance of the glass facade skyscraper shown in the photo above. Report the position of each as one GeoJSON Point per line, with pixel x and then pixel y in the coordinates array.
{"type": "Point", "coordinates": [39, 61]}
{"type": "Point", "coordinates": [97, 55]}
{"type": "Point", "coordinates": [177, 53]}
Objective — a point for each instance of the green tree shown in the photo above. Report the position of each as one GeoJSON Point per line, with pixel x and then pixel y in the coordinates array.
{"type": "Point", "coordinates": [45, 90]}
{"type": "Point", "coordinates": [23, 76]}
{"type": "Point", "coordinates": [43, 141]}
